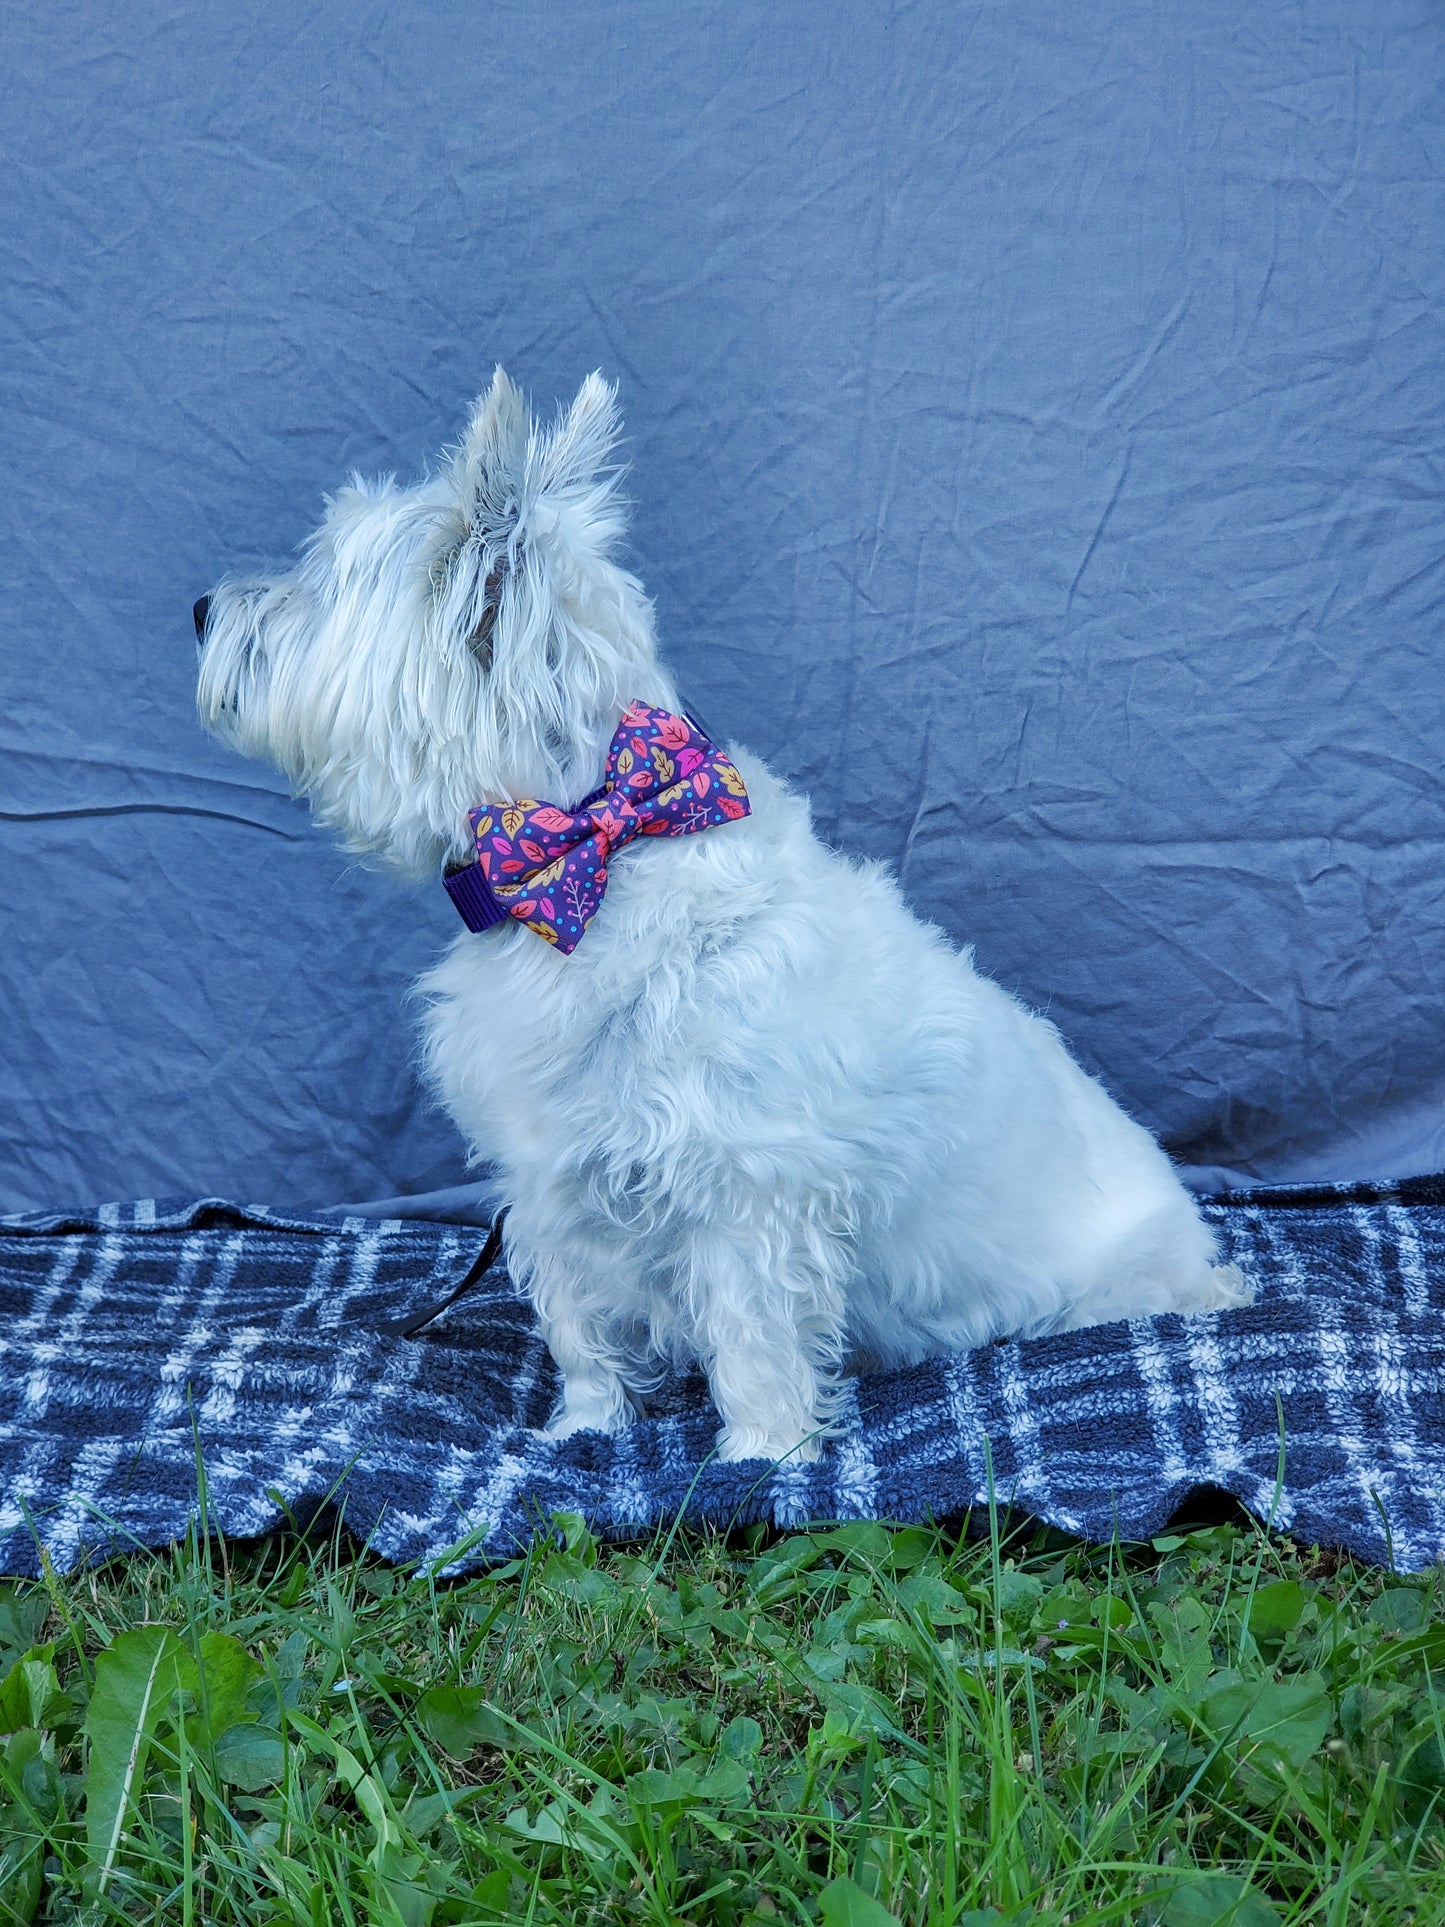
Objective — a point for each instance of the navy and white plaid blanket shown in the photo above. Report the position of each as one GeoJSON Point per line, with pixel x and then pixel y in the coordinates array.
{"type": "Point", "coordinates": [143, 1346]}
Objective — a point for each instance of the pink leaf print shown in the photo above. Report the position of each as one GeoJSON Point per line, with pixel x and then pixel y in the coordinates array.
{"type": "Point", "coordinates": [501, 846]}
{"type": "Point", "coordinates": [548, 909]}
{"type": "Point", "coordinates": [730, 806]}
{"type": "Point", "coordinates": [522, 909]}
{"type": "Point", "coordinates": [512, 867]}
{"type": "Point", "coordinates": [547, 818]}
{"type": "Point", "coordinates": [701, 783]}
{"type": "Point", "coordinates": [688, 760]}
{"type": "Point", "coordinates": [673, 732]}
{"type": "Point", "coordinates": [533, 852]}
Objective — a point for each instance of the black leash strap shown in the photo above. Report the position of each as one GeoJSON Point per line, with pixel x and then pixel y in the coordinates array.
{"type": "Point", "coordinates": [417, 1321]}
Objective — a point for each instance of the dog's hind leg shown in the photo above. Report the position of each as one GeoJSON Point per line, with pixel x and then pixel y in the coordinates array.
{"type": "Point", "coordinates": [1166, 1263]}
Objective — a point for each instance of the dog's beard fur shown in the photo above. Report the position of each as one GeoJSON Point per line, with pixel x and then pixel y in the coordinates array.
{"type": "Point", "coordinates": [762, 1117]}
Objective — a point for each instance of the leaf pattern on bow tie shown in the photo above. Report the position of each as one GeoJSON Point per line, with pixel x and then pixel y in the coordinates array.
{"type": "Point", "coordinates": [664, 778]}
{"type": "Point", "coordinates": [547, 818]}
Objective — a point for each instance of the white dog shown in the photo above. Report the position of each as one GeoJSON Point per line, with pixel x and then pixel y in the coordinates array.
{"type": "Point", "coordinates": [762, 1117]}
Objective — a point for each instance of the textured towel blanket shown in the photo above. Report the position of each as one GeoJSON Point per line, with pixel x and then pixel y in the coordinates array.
{"type": "Point", "coordinates": [142, 1342]}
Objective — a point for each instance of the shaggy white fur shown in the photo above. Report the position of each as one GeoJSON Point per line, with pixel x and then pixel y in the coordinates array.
{"type": "Point", "coordinates": [763, 1116]}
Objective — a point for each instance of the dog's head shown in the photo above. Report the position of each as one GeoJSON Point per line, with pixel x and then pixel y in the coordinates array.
{"type": "Point", "coordinates": [461, 641]}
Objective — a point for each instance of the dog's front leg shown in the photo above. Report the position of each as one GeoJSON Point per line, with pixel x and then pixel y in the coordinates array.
{"type": "Point", "coordinates": [583, 1310]}
{"type": "Point", "coordinates": [769, 1330]}
{"type": "Point", "coordinates": [595, 1395]}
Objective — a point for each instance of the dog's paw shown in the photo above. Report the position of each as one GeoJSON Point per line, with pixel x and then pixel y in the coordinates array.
{"type": "Point", "coordinates": [1229, 1288]}
{"type": "Point", "coordinates": [747, 1442]}
{"type": "Point", "coordinates": [587, 1418]}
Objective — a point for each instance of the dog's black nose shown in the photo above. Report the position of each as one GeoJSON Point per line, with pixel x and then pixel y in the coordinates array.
{"type": "Point", "coordinates": [200, 609]}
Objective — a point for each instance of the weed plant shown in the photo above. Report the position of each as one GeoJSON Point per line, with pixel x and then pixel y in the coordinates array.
{"type": "Point", "coordinates": [851, 1726]}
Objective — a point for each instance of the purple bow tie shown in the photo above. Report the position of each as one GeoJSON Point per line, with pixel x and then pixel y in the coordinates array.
{"type": "Point", "coordinates": [548, 867]}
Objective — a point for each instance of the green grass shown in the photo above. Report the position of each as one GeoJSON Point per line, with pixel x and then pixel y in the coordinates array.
{"type": "Point", "coordinates": [842, 1726]}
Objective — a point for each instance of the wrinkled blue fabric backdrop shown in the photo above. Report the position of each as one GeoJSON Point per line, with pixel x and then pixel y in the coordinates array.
{"type": "Point", "coordinates": [1035, 426]}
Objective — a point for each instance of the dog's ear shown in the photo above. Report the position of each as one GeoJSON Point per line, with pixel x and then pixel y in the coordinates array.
{"type": "Point", "coordinates": [578, 447]}
{"type": "Point", "coordinates": [490, 473]}
{"type": "Point", "coordinates": [491, 463]}
{"type": "Point", "coordinates": [529, 500]}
